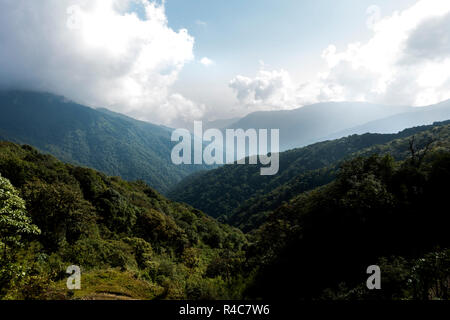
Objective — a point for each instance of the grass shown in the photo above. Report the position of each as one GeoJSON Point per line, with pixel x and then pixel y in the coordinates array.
{"type": "Point", "coordinates": [110, 284]}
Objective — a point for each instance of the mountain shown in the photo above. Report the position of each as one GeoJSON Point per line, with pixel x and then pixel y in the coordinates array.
{"type": "Point", "coordinates": [129, 241]}
{"type": "Point", "coordinates": [338, 207]}
{"type": "Point", "coordinates": [100, 139]}
{"type": "Point", "coordinates": [377, 215]}
{"type": "Point", "coordinates": [132, 243]}
{"type": "Point", "coordinates": [415, 117]}
{"type": "Point", "coordinates": [309, 124]}
{"type": "Point", "coordinates": [239, 195]}
{"type": "Point", "coordinates": [253, 212]}
{"type": "Point", "coordinates": [218, 124]}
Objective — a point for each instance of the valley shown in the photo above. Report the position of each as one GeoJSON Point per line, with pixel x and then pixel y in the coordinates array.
{"type": "Point", "coordinates": [345, 191]}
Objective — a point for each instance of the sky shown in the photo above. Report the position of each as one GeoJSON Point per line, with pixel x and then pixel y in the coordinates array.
{"type": "Point", "coordinates": [175, 61]}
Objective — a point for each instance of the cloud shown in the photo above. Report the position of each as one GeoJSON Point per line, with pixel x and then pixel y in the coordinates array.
{"type": "Point", "coordinates": [406, 62]}
{"type": "Point", "coordinates": [99, 53]}
{"type": "Point", "coordinates": [206, 62]}
{"type": "Point", "coordinates": [268, 90]}
{"type": "Point", "coordinates": [430, 40]}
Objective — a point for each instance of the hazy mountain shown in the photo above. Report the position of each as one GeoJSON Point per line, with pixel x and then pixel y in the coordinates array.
{"type": "Point", "coordinates": [220, 123]}
{"type": "Point", "coordinates": [101, 139]}
{"type": "Point", "coordinates": [415, 117]}
{"type": "Point", "coordinates": [309, 124]}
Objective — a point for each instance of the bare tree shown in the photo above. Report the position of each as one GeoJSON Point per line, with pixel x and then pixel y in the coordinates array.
{"type": "Point", "coordinates": [419, 153]}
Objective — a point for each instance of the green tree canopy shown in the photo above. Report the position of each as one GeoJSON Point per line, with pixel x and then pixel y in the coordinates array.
{"type": "Point", "coordinates": [14, 221]}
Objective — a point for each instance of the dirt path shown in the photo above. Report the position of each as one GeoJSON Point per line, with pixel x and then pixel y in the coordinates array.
{"type": "Point", "coordinates": [108, 296]}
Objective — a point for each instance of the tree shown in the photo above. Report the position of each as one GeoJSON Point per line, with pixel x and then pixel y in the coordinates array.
{"type": "Point", "coordinates": [14, 224]}
{"type": "Point", "coordinates": [14, 221]}
{"type": "Point", "coordinates": [430, 276]}
{"type": "Point", "coordinates": [418, 153]}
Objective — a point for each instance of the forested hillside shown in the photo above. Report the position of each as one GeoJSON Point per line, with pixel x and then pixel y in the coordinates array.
{"type": "Point", "coordinates": [99, 139]}
{"type": "Point", "coordinates": [132, 243]}
{"type": "Point", "coordinates": [253, 212]}
{"type": "Point", "coordinates": [377, 212]}
{"type": "Point", "coordinates": [239, 195]}
{"type": "Point", "coordinates": [129, 240]}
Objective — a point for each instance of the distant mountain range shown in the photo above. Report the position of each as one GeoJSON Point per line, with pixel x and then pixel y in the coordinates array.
{"type": "Point", "coordinates": [310, 124]}
{"type": "Point", "coordinates": [97, 138]}
{"type": "Point", "coordinates": [136, 150]}
{"type": "Point", "coordinates": [415, 117]}
{"type": "Point", "coordinates": [333, 120]}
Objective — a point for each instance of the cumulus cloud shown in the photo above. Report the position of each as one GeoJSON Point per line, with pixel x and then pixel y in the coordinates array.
{"type": "Point", "coordinates": [206, 62]}
{"type": "Point", "coordinates": [430, 40]}
{"type": "Point", "coordinates": [406, 62]}
{"type": "Point", "coordinates": [99, 53]}
{"type": "Point", "coordinates": [268, 90]}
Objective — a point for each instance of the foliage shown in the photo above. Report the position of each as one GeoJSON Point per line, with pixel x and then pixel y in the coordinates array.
{"type": "Point", "coordinates": [430, 277]}
{"type": "Point", "coordinates": [104, 223]}
{"type": "Point", "coordinates": [14, 221]}
{"type": "Point", "coordinates": [326, 238]}
{"type": "Point", "coordinates": [336, 208]}
{"type": "Point", "coordinates": [14, 225]}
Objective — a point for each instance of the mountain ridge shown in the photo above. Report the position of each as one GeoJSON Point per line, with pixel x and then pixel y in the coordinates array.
{"type": "Point", "coordinates": [233, 191]}
{"type": "Point", "coordinates": [319, 122]}
{"type": "Point", "coordinates": [100, 139]}
{"type": "Point", "coordinates": [309, 124]}
{"type": "Point", "coordinates": [416, 117]}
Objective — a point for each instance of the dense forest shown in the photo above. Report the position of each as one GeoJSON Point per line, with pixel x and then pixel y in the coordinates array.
{"type": "Point", "coordinates": [377, 212]}
{"type": "Point", "coordinates": [310, 233]}
{"type": "Point", "coordinates": [128, 239]}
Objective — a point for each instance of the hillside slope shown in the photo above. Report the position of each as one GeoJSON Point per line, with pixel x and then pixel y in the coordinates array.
{"type": "Point", "coordinates": [376, 211]}
{"type": "Point", "coordinates": [127, 238]}
{"type": "Point", "coordinates": [100, 139]}
{"type": "Point", "coordinates": [254, 211]}
{"type": "Point", "coordinates": [240, 195]}
{"type": "Point", "coordinates": [132, 243]}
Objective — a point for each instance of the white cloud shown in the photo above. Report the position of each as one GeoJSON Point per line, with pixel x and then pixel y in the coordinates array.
{"type": "Point", "coordinates": [206, 62]}
{"type": "Point", "coordinates": [406, 62]}
{"type": "Point", "coordinates": [268, 90]}
{"type": "Point", "coordinates": [95, 52]}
